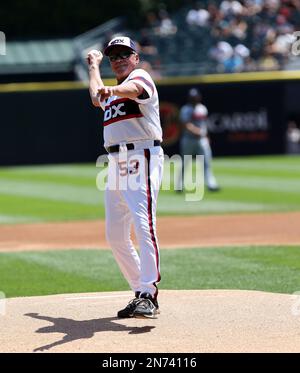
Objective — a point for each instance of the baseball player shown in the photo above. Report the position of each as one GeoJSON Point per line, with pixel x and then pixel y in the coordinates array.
{"type": "Point", "coordinates": [132, 138]}
{"type": "Point", "coordinates": [194, 140]}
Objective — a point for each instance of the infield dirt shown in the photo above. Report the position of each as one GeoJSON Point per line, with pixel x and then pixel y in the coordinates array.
{"type": "Point", "coordinates": [173, 232]}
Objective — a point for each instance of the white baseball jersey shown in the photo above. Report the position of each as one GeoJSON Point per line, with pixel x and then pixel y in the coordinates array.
{"type": "Point", "coordinates": [126, 120]}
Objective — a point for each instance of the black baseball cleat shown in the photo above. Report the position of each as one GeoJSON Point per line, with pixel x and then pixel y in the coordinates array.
{"type": "Point", "coordinates": [146, 307]}
{"type": "Point", "coordinates": [127, 312]}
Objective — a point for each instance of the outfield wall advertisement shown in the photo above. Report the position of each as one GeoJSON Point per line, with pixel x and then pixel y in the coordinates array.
{"type": "Point", "coordinates": [244, 118]}
{"type": "Point", "coordinates": [60, 125]}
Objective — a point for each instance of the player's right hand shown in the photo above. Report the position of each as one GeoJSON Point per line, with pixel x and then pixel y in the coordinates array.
{"type": "Point", "coordinates": [105, 92]}
{"type": "Point", "coordinates": [94, 57]}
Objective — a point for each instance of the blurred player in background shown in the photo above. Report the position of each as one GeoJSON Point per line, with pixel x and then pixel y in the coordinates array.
{"type": "Point", "coordinates": [194, 141]}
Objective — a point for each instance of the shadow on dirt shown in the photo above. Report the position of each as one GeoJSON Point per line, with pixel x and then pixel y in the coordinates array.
{"type": "Point", "coordinates": [76, 330]}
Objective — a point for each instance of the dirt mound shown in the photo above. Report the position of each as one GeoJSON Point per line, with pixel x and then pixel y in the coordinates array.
{"type": "Point", "coordinates": [190, 321]}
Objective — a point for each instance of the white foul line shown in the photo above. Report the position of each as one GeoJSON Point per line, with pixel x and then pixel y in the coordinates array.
{"type": "Point", "coordinates": [99, 297]}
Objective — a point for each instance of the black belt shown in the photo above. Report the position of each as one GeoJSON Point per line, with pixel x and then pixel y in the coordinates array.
{"type": "Point", "coordinates": [130, 146]}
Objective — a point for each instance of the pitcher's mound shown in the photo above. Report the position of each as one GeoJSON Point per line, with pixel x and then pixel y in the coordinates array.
{"type": "Point", "coordinates": [190, 321]}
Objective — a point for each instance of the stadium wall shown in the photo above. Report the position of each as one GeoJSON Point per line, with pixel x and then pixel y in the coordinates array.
{"type": "Point", "coordinates": [55, 122]}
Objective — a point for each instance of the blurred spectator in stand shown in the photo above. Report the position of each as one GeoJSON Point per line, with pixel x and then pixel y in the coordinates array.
{"type": "Point", "coordinates": [238, 28]}
{"type": "Point", "coordinates": [233, 64]}
{"type": "Point", "coordinates": [252, 7]}
{"type": "Point", "coordinates": [215, 16]}
{"type": "Point", "coordinates": [231, 8]}
{"type": "Point", "coordinates": [236, 63]}
{"type": "Point", "coordinates": [249, 64]}
{"type": "Point", "coordinates": [231, 59]}
{"type": "Point", "coordinates": [151, 20]}
{"type": "Point", "coordinates": [283, 25]}
{"type": "Point", "coordinates": [270, 10]}
{"type": "Point", "coordinates": [145, 44]}
{"type": "Point", "coordinates": [244, 52]}
{"type": "Point", "coordinates": [262, 35]}
{"type": "Point", "coordinates": [263, 30]}
{"type": "Point", "coordinates": [283, 43]}
{"type": "Point", "coordinates": [220, 53]}
{"type": "Point", "coordinates": [166, 26]}
{"type": "Point", "coordinates": [198, 16]}
{"type": "Point", "coordinates": [293, 138]}
{"type": "Point", "coordinates": [267, 61]}
{"type": "Point", "coordinates": [291, 10]}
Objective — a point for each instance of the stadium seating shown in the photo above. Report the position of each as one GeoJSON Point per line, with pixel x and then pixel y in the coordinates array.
{"type": "Point", "coordinates": [189, 50]}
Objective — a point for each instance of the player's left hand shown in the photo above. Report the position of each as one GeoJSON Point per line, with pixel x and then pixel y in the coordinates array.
{"type": "Point", "coordinates": [105, 92]}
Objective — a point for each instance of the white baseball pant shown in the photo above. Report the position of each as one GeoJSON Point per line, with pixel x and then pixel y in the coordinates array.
{"type": "Point", "coordinates": [134, 179]}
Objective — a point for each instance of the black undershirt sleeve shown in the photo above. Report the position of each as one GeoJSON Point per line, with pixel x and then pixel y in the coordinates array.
{"type": "Point", "coordinates": [144, 95]}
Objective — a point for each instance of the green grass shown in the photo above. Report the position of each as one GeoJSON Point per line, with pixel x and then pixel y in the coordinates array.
{"type": "Point", "coordinates": [68, 192]}
{"type": "Point", "coordinates": [274, 269]}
